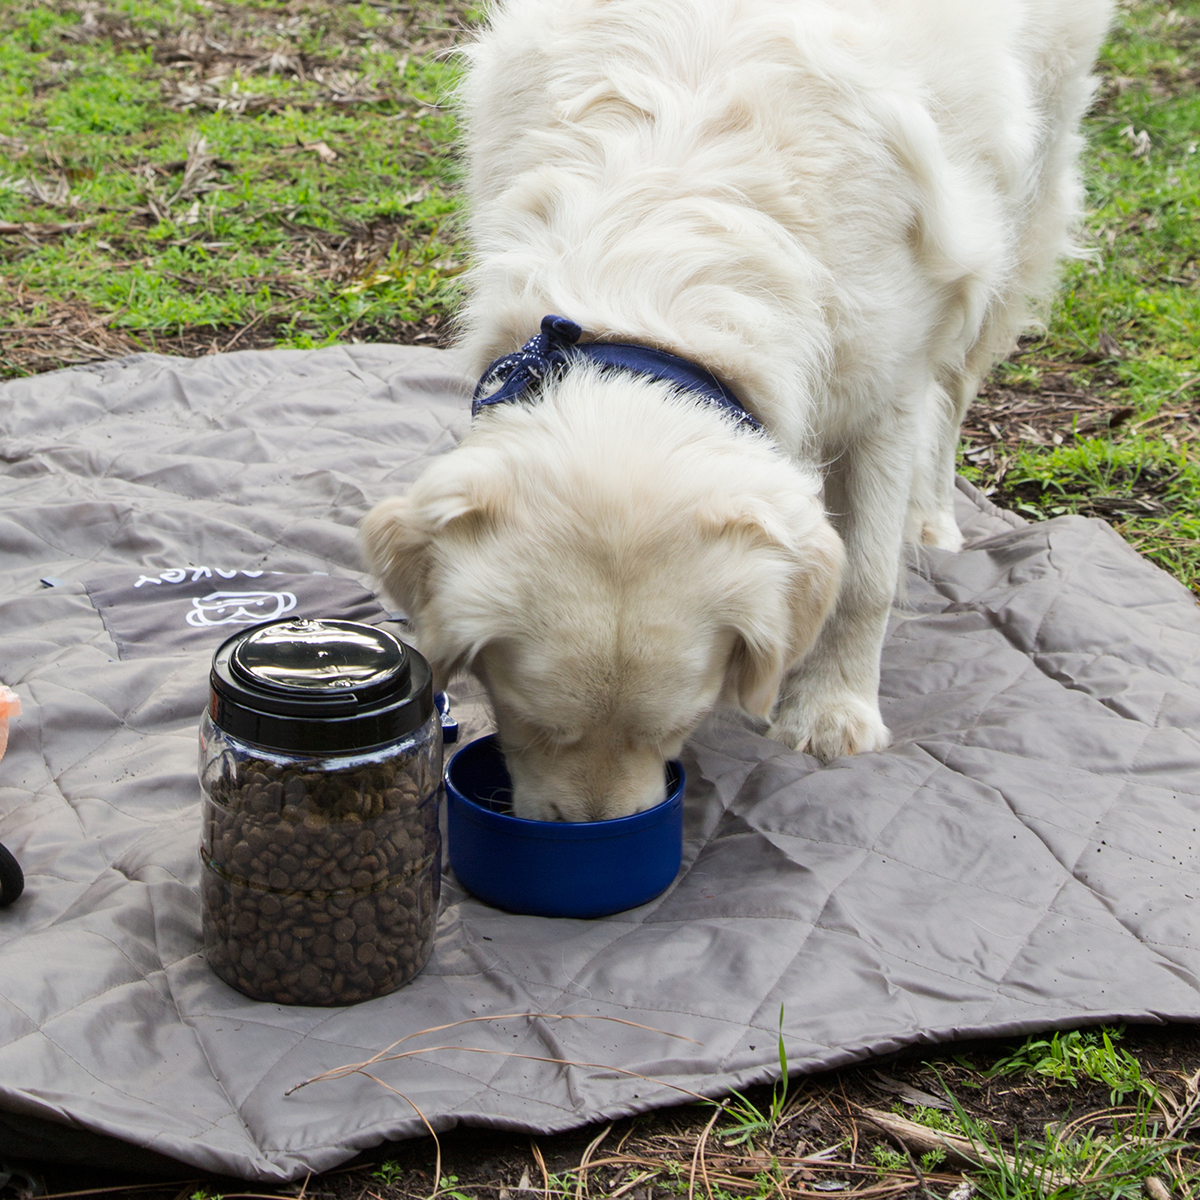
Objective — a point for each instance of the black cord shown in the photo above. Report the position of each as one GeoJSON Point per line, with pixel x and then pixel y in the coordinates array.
{"type": "Point", "coordinates": [12, 881]}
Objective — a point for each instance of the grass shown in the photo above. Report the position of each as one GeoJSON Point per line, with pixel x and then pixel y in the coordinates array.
{"type": "Point", "coordinates": [1086, 1054]}
{"type": "Point", "coordinates": [1096, 415]}
{"type": "Point", "coordinates": [1116, 1153]}
{"type": "Point", "coordinates": [1148, 485]}
{"type": "Point", "coordinates": [890, 1160]}
{"type": "Point", "coordinates": [200, 175]}
{"type": "Point", "coordinates": [1105, 1155]}
{"type": "Point", "coordinates": [750, 1120]}
{"type": "Point", "coordinates": [1079, 1161]}
{"type": "Point", "coordinates": [207, 168]}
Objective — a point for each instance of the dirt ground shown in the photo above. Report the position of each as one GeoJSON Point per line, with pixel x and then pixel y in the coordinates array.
{"type": "Point", "coordinates": [1003, 419]}
{"type": "Point", "coordinates": [71, 334]}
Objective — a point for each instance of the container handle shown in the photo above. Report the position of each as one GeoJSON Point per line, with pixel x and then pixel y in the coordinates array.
{"type": "Point", "coordinates": [449, 724]}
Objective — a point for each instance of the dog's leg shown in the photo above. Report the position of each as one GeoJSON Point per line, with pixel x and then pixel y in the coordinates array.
{"type": "Point", "coordinates": [931, 520]}
{"type": "Point", "coordinates": [1048, 213]}
{"type": "Point", "coordinates": [829, 704]}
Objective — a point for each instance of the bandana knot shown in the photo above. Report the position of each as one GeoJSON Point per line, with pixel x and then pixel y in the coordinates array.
{"type": "Point", "coordinates": [511, 375]}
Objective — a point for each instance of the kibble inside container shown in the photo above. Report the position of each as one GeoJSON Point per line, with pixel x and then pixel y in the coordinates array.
{"type": "Point", "coordinates": [320, 767]}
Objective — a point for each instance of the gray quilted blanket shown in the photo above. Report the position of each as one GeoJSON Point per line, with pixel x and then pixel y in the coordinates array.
{"type": "Point", "coordinates": [1023, 857]}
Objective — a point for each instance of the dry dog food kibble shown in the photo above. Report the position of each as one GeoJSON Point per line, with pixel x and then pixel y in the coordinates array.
{"type": "Point", "coordinates": [323, 886]}
{"type": "Point", "coordinates": [320, 841]}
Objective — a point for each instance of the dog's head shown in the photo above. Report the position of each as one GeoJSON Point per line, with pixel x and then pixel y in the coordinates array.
{"type": "Point", "coordinates": [612, 563]}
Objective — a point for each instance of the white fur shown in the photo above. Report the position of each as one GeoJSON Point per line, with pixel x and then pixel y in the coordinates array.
{"type": "Point", "coordinates": [844, 209]}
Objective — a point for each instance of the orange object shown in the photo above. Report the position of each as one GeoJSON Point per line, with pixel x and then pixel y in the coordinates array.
{"type": "Point", "coordinates": [10, 706]}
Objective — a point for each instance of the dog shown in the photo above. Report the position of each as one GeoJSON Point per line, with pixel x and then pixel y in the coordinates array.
{"type": "Point", "coordinates": [837, 213]}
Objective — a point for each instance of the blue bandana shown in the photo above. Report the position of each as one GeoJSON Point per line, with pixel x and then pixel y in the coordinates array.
{"type": "Point", "coordinates": [510, 377]}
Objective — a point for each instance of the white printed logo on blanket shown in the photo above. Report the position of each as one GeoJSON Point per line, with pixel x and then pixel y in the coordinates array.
{"type": "Point", "coordinates": [240, 608]}
{"type": "Point", "coordinates": [183, 609]}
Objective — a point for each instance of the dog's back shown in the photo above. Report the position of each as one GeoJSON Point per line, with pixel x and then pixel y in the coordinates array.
{"type": "Point", "coordinates": [794, 192]}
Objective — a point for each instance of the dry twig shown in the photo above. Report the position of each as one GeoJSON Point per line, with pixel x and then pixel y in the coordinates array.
{"type": "Point", "coordinates": [541, 1162]}
{"type": "Point", "coordinates": [698, 1155]}
{"type": "Point", "coordinates": [581, 1183]}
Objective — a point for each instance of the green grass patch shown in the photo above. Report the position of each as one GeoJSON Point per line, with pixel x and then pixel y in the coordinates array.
{"type": "Point", "coordinates": [214, 165]}
{"type": "Point", "coordinates": [1094, 1158]}
{"type": "Point", "coordinates": [1080, 1054]}
{"type": "Point", "coordinates": [1125, 327]}
{"type": "Point", "coordinates": [1148, 486]}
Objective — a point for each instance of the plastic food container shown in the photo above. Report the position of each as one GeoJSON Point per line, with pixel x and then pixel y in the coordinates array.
{"type": "Point", "coordinates": [555, 868]}
{"type": "Point", "coordinates": [320, 765]}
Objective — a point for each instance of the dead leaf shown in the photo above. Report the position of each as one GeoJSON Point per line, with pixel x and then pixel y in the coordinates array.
{"type": "Point", "coordinates": [278, 63]}
{"type": "Point", "coordinates": [55, 194]}
{"type": "Point", "coordinates": [1107, 347]}
{"type": "Point", "coordinates": [911, 1095]}
{"type": "Point", "coordinates": [1138, 139]}
{"type": "Point", "coordinates": [322, 150]}
{"type": "Point", "coordinates": [36, 229]}
{"type": "Point", "coordinates": [199, 168]}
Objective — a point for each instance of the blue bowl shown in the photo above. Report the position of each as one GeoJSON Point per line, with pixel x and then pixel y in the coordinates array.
{"type": "Point", "coordinates": [555, 868]}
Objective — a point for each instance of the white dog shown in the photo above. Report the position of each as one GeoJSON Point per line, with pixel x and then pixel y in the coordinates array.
{"type": "Point", "coordinates": [842, 210]}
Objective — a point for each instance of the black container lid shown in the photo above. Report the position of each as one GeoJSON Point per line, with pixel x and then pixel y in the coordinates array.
{"type": "Point", "coordinates": [319, 686]}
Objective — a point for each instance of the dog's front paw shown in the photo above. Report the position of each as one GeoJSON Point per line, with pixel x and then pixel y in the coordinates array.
{"type": "Point", "coordinates": [941, 531]}
{"type": "Point", "coordinates": [846, 724]}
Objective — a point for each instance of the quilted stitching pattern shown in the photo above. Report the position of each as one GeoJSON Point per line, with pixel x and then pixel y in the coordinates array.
{"type": "Point", "coordinates": [1023, 857]}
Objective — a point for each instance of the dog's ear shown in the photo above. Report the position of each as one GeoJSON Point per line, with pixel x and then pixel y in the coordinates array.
{"type": "Point", "coordinates": [790, 572]}
{"type": "Point", "coordinates": [397, 543]}
{"type": "Point", "coordinates": [456, 496]}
